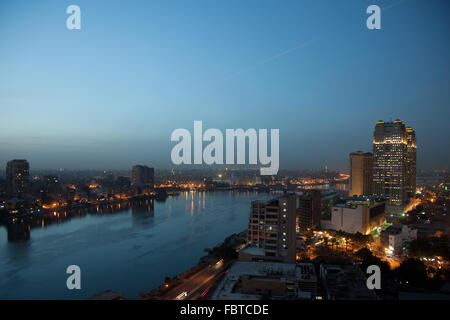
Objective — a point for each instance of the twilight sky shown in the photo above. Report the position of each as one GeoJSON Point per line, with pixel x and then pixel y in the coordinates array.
{"type": "Point", "coordinates": [109, 95]}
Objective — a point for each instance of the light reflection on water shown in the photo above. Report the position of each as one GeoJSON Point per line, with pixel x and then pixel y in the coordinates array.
{"type": "Point", "coordinates": [130, 249]}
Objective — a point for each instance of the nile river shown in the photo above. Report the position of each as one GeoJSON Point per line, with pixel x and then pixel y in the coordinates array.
{"type": "Point", "coordinates": [127, 248]}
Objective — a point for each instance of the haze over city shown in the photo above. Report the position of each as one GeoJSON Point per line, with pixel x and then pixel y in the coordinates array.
{"type": "Point", "coordinates": [109, 95]}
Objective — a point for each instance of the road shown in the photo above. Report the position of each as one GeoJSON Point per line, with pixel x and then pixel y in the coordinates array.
{"type": "Point", "coordinates": [411, 206]}
{"type": "Point", "coordinates": [198, 285]}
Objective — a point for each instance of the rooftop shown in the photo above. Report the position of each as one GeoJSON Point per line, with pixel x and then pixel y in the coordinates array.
{"type": "Point", "coordinates": [346, 282]}
{"type": "Point", "coordinates": [255, 251]}
{"type": "Point", "coordinates": [264, 270]}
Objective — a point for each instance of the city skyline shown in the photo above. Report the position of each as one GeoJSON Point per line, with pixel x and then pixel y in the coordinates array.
{"type": "Point", "coordinates": [99, 97]}
{"type": "Point", "coordinates": [251, 156]}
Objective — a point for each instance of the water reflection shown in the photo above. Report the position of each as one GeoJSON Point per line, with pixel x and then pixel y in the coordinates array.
{"type": "Point", "coordinates": [129, 247]}
{"type": "Point", "coordinates": [18, 232]}
{"type": "Point", "coordinates": [19, 229]}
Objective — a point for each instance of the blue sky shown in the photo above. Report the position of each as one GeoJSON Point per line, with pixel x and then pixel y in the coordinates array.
{"type": "Point", "coordinates": [109, 95]}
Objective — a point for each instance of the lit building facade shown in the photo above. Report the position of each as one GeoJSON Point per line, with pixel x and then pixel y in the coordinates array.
{"type": "Point", "coordinates": [272, 229]}
{"type": "Point", "coordinates": [18, 177]}
{"type": "Point", "coordinates": [393, 168]}
{"type": "Point", "coordinates": [358, 214]}
{"type": "Point", "coordinates": [361, 173]}
{"type": "Point", "coordinates": [411, 161]}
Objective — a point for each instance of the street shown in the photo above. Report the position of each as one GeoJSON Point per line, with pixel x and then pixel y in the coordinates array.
{"type": "Point", "coordinates": [198, 285]}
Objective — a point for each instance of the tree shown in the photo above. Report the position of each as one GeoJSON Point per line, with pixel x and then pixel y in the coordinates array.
{"type": "Point", "coordinates": [412, 271]}
{"type": "Point", "coordinates": [363, 253]}
{"type": "Point", "coordinates": [368, 259]}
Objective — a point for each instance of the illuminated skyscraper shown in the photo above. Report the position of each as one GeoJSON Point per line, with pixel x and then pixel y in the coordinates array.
{"type": "Point", "coordinates": [361, 173]}
{"type": "Point", "coordinates": [411, 162]}
{"type": "Point", "coordinates": [393, 164]}
{"type": "Point", "coordinates": [18, 177]}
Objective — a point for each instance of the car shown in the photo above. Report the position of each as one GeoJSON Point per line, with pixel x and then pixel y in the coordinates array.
{"type": "Point", "coordinates": [181, 296]}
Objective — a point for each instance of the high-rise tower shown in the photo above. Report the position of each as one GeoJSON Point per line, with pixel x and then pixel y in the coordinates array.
{"type": "Point", "coordinates": [361, 173]}
{"type": "Point", "coordinates": [142, 176]}
{"type": "Point", "coordinates": [309, 211]}
{"type": "Point", "coordinates": [411, 161]}
{"type": "Point", "coordinates": [18, 177]}
{"type": "Point", "coordinates": [393, 168]}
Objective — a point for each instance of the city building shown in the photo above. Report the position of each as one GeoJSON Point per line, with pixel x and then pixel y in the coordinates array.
{"type": "Point", "coordinates": [257, 280]}
{"type": "Point", "coordinates": [328, 199]}
{"type": "Point", "coordinates": [393, 165]}
{"type": "Point", "coordinates": [51, 183]}
{"type": "Point", "coordinates": [306, 278]}
{"type": "Point", "coordinates": [396, 237]}
{"type": "Point", "coordinates": [142, 176]}
{"type": "Point", "coordinates": [411, 162]}
{"type": "Point", "coordinates": [345, 282]}
{"type": "Point", "coordinates": [17, 178]}
{"type": "Point", "coordinates": [271, 230]}
{"type": "Point", "coordinates": [358, 214]}
{"type": "Point", "coordinates": [361, 165]}
{"type": "Point", "coordinates": [309, 211]}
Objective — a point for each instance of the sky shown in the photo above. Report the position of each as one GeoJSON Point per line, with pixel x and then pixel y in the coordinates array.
{"type": "Point", "coordinates": [109, 96]}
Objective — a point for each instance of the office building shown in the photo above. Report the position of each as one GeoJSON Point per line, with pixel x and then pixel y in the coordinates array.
{"type": "Point", "coordinates": [361, 173]}
{"type": "Point", "coordinates": [393, 173]}
{"type": "Point", "coordinates": [411, 162]}
{"type": "Point", "coordinates": [17, 178]}
{"type": "Point", "coordinates": [271, 230]}
{"type": "Point", "coordinates": [358, 214]}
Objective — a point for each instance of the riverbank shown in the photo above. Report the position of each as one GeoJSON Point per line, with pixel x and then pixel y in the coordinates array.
{"type": "Point", "coordinates": [130, 249]}
{"type": "Point", "coordinates": [219, 258]}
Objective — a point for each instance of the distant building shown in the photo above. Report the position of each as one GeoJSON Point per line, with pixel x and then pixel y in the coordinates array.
{"type": "Point", "coordinates": [309, 211]}
{"type": "Point", "coordinates": [361, 172]}
{"type": "Point", "coordinates": [358, 214]}
{"type": "Point", "coordinates": [271, 230]}
{"type": "Point", "coordinates": [394, 150]}
{"type": "Point", "coordinates": [51, 183]}
{"type": "Point", "coordinates": [51, 179]}
{"type": "Point", "coordinates": [395, 238]}
{"type": "Point", "coordinates": [18, 177]}
{"type": "Point", "coordinates": [142, 176]}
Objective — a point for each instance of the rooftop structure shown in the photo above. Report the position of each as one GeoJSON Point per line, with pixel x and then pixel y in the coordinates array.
{"type": "Point", "coordinates": [345, 282]}
{"type": "Point", "coordinates": [257, 280]}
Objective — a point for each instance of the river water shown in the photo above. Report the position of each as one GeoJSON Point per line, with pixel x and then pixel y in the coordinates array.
{"type": "Point", "coordinates": [127, 248]}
